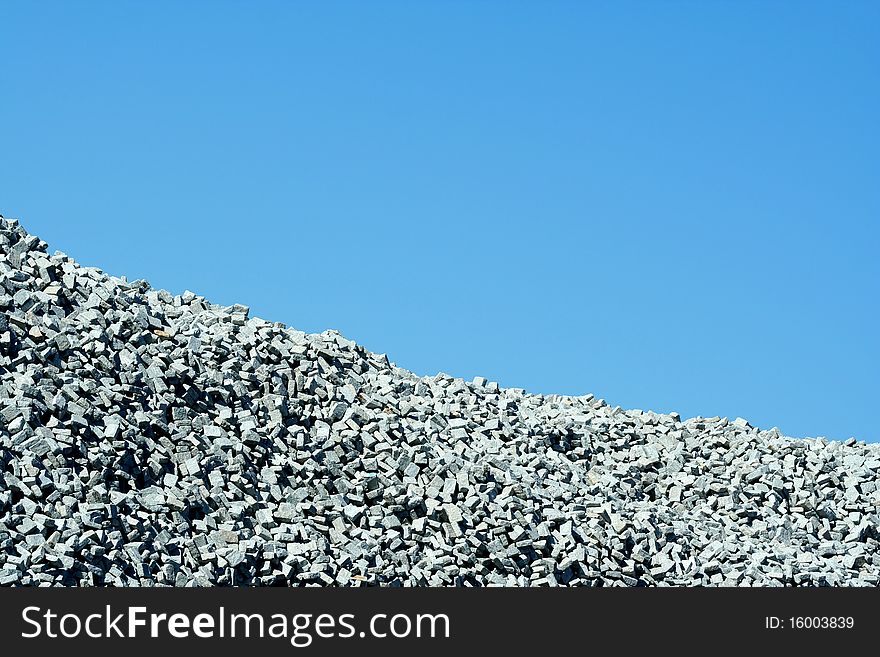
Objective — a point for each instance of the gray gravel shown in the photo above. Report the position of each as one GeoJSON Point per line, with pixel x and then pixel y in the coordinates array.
{"type": "Point", "coordinates": [152, 439]}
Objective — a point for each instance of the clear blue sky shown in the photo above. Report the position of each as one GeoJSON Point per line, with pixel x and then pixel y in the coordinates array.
{"type": "Point", "coordinates": [672, 205]}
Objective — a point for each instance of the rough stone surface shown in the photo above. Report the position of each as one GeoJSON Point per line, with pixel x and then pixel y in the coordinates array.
{"type": "Point", "coordinates": [152, 439]}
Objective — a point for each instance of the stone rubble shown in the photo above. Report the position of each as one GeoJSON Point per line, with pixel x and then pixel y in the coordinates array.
{"type": "Point", "coordinates": [158, 440]}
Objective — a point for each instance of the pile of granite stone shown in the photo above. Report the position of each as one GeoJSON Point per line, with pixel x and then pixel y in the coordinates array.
{"type": "Point", "coordinates": [152, 439]}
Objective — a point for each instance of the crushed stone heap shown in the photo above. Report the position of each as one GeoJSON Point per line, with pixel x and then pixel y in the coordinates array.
{"type": "Point", "coordinates": [152, 439]}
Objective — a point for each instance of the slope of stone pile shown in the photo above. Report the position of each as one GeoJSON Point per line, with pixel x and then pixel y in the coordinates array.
{"type": "Point", "coordinates": [153, 439]}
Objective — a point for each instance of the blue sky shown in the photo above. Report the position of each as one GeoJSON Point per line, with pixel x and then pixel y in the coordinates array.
{"type": "Point", "coordinates": [671, 205]}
